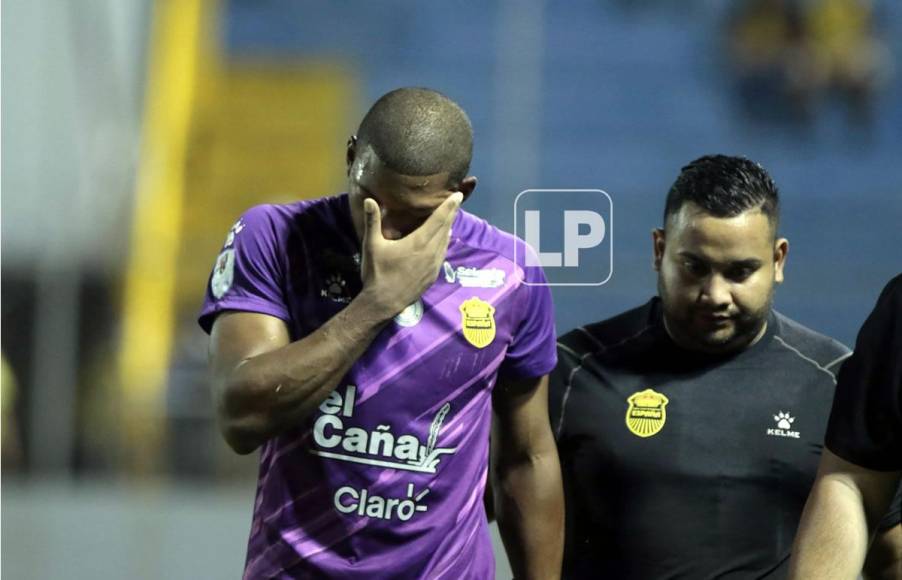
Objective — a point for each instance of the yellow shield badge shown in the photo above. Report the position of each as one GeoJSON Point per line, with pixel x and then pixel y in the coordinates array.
{"type": "Point", "coordinates": [647, 413]}
{"type": "Point", "coordinates": [478, 318]}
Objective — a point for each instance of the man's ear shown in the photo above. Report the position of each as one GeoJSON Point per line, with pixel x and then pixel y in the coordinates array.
{"type": "Point", "coordinates": [658, 240]}
{"type": "Point", "coordinates": [351, 153]}
{"type": "Point", "coordinates": [781, 248]}
{"type": "Point", "coordinates": [467, 185]}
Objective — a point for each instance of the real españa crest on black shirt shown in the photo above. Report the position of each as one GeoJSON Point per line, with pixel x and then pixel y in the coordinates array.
{"type": "Point", "coordinates": [647, 413]}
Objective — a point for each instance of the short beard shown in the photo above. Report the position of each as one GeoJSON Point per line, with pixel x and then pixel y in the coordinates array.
{"type": "Point", "coordinates": [747, 329]}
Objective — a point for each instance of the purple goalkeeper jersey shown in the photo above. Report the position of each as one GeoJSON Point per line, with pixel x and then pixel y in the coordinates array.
{"type": "Point", "coordinates": [386, 478]}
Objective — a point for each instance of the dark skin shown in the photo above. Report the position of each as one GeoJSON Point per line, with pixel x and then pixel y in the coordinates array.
{"type": "Point", "coordinates": [264, 384]}
{"type": "Point", "coordinates": [527, 491]}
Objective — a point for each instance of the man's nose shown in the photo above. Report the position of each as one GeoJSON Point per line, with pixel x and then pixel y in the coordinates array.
{"type": "Point", "coordinates": [716, 291]}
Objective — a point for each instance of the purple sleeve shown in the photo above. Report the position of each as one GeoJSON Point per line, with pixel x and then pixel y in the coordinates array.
{"type": "Point", "coordinates": [533, 349]}
{"type": "Point", "coordinates": [248, 273]}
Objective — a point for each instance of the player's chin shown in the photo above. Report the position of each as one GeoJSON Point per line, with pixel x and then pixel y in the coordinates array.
{"type": "Point", "coordinates": [716, 340]}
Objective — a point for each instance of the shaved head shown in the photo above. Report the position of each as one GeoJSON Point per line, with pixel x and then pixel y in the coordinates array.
{"type": "Point", "coordinates": [416, 131]}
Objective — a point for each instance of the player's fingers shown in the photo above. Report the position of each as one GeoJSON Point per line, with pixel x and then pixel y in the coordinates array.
{"type": "Point", "coordinates": [441, 219]}
{"type": "Point", "coordinates": [372, 221]}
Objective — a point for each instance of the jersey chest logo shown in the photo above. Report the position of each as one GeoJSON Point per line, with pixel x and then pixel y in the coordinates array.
{"type": "Point", "coordinates": [784, 423]}
{"type": "Point", "coordinates": [647, 413]}
{"type": "Point", "coordinates": [478, 319]}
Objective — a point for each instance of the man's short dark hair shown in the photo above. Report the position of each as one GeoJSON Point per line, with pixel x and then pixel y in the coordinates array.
{"type": "Point", "coordinates": [417, 131]}
{"type": "Point", "coordinates": [724, 186]}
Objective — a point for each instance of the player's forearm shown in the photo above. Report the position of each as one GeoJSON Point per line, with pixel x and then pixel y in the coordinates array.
{"type": "Point", "coordinates": [529, 504]}
{"type": "Point", "coordinates": [884, 560]}
{"type": "Point", "coordinates": [842, 511]}
{"type": "Point", "coordinates": [833, 534]}
{"type": "Point", "coordinates": [272, 392]}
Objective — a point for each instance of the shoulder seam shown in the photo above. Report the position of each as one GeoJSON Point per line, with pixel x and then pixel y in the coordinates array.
{"type": "Point", "coordinates": [838, 360]}
{"type": "Point", "coordinates": [806, 358]}
{"type": "Point", "coordinates": [568, 349]}
{"type": "Point", "coordinates": [585, 331]}
{"type": "Point", "coordinates": [578, 367]}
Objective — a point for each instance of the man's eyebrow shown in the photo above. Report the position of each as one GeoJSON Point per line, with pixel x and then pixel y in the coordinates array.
{"type": "Point", "coordinates": [751, 263]}
{"type": "Point", "coordinates": [688, 254]}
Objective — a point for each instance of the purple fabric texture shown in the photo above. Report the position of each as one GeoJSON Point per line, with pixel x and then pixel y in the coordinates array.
{"type": "Point", "coordinates": [386, 479]}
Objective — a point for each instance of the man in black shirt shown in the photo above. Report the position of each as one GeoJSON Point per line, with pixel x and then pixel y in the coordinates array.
{"type": "Point", "coordinates": [863, 461]}
{"type": "Point", "coordinates": [689, 429]}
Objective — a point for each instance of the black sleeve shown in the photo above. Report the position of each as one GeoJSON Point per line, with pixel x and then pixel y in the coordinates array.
{"type": "Point", "coordinates": [865, 425]}
{"type": "Point", "coordinates": [893, 516]}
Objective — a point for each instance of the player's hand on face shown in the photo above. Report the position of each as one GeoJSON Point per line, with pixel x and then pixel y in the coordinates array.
{"type": "Point", "coordinates": [397, 272]}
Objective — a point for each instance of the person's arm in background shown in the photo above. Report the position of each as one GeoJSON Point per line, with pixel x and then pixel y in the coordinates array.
{"type": "Point", "coordinates": [843, 509]}
{"type": "Point", "coordinates": [861, 464]}
{"type": "Point", "coordinates": [264, 384]}
{"type": "Point", "coordinates": [884, 559]}
{"type": "Point", "coordinates": [529, 499]}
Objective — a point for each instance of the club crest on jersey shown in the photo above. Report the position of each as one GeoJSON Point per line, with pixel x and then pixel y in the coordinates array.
{"type": "Point", "coordinates": [478, 319]}
{"type": "Point", "coordinates": [223, 273]}
{"type": "Point", "coordinates": [647, 413]}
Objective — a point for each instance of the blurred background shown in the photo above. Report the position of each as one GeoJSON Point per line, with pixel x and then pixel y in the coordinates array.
{"type": "Point", "coordinates": [134, 132]}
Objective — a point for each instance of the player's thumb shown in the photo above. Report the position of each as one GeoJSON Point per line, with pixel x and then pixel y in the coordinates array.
{"type": "Point", "coordinates": [372, 221]}
{"type": "Point", "coordinates": [446, 212]}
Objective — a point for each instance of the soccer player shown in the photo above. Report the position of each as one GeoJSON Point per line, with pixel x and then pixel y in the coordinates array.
{"type": "Point", "coordinates": [363, 342]}
{"type": "Point", "coordinates": [862, 463]}
{"type": "Point", "coordinates": [689, 428]}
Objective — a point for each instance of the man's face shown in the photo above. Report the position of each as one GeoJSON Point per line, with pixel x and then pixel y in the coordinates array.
{"type": "Point", "coordinates": [405, 201]}
{"type": "Point", "coordinates": [716, 277]}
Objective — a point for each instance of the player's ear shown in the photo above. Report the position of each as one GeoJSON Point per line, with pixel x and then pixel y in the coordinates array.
{"type": "Point", "coordinates": [781, 248]}
{"type": "Point", "coordinates": [466, 186]}
{"type": "Point", "coordinates": [351, 153]}
{"type": "Point", "coordinates": [658, 244]}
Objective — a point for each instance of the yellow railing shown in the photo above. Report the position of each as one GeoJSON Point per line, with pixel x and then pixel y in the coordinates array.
{"type": "Point", "coordinates": [218, 137]}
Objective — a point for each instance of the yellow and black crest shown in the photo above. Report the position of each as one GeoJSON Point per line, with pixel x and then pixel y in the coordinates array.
{"type": "Point", "coordinates": [478, 319]}
{"type": "Point", "coordinates": [646, 413]}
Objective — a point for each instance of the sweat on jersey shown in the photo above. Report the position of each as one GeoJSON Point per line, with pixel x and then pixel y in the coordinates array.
{"type": "Point", "coordinates": [682, 465]}
{"type": "Point", "coordinates": [386, 479]}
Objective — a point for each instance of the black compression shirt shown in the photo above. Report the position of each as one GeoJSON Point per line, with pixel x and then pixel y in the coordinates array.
{"type": "Point", "coordinates": [681, 465]}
